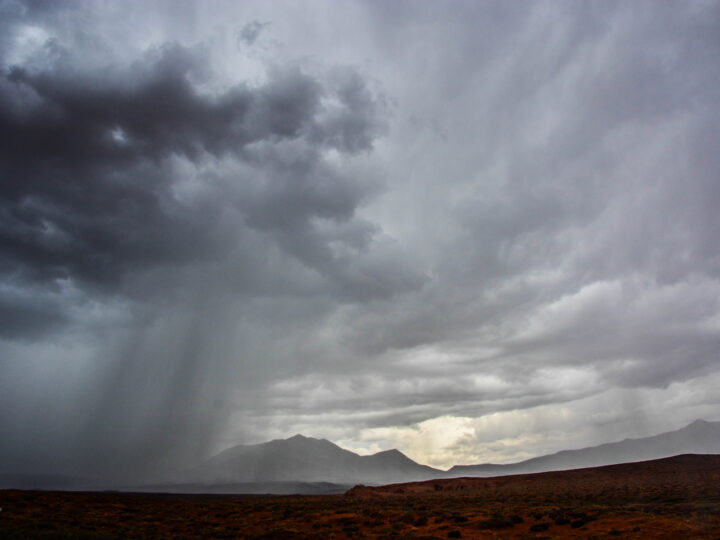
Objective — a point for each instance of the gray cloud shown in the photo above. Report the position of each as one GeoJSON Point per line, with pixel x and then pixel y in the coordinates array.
{"type": "Point", "coordinates": [250, 33]}
{"type": "Point", "coordinates": [380, 218]}
{"type": "Point", "coordinates": [88, 169]}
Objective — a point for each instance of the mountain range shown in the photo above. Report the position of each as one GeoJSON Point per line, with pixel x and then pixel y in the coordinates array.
{"type": "Point", "coordinates": [297, 462]}
{"type": "Point", "coordinates": [305, 459]}
{"type": "Point", "coordinates": [700, 437]}
{"type": "Point", "coordinates": [307, 465]}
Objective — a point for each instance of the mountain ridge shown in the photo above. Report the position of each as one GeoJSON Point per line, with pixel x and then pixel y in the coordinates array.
{"type": "Point", "coordinates": [303, 464]}
{"type": "Point", "coordinates": [698, 437]}
{"type": "Point", "coordinates": [306, 459]}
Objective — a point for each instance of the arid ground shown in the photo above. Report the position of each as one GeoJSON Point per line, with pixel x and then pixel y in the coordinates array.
{"type": "Point", "coordinates": [672, 498]}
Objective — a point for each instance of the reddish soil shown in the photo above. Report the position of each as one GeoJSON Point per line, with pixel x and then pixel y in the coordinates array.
{"type": "Point", "coordinates": [671, 498]}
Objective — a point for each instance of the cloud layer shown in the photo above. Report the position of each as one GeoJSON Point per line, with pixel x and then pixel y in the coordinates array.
{"type": "Point", "coordinates": [475, 234]}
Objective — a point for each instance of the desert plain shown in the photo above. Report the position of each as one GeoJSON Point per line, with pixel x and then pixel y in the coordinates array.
{"type": "Point", "coordinates": [676, 497]}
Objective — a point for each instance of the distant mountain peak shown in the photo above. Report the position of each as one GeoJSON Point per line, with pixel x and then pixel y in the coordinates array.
{"type": "Point", "coordinates": [298, 437]}
{"type": "Point", "coordinates": [391, 452]}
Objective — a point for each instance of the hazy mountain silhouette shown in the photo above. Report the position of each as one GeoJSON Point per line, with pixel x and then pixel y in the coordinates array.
{"type": "Point", "coordinates": [305, 459]}
{"type": "Point", "coordinates": [307, 465]}
{"type": "Point", "coordinates": [700, 437]}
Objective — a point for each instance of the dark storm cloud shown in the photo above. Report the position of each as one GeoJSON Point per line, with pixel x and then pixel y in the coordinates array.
{"type": "Point", "coordinates": [245, 222]}
{"type": "Point", "coordinates": [86, 185]}
{"type": "Point", "coordinates": [140, 201]}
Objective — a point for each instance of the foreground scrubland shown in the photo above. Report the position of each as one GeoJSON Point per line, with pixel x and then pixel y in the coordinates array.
{"type": "Point", "coordinates": [672, 498]}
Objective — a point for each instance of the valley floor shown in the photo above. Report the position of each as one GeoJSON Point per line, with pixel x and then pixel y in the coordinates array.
{"type": "Point", "coordinates": [672, 498]}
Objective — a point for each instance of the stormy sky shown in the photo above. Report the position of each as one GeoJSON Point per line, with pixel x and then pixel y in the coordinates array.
{"type": "Point", "coordinates": [472, 231]}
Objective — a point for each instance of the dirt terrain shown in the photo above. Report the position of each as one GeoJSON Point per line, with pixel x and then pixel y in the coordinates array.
{"type": "Point", "coordinates": [670, 498]}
